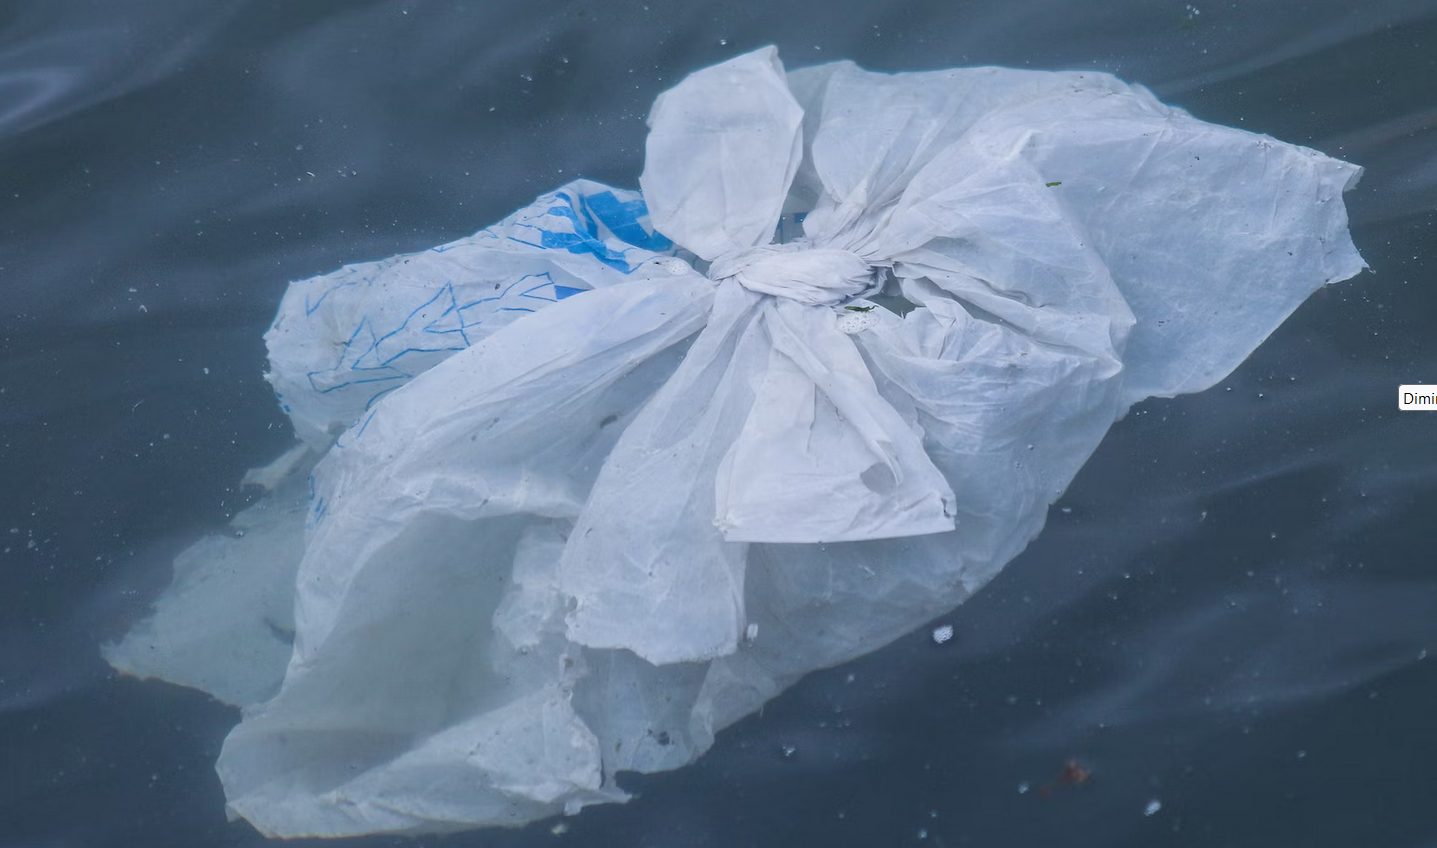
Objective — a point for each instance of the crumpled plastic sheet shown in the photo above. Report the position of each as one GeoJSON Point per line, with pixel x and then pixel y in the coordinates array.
{"type": "Point", "coordinates": [600, 480]}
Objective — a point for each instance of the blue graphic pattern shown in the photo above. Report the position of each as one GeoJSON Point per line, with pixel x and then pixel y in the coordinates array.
{"type": "Point", "coordinates": [378, 357]}
{"type": "Point", "coordinates": [368, 357]}
{"type": "Point", "coordinates": [621, 218]}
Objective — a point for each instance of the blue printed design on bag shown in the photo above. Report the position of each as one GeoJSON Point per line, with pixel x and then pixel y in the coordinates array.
{"type": "Point", "coordinates": [620, 218]}
{"type": "Point", "coordinates": [355, 432]}
{"type": "Point", "coordinates": [369, 357]}
{"type": "Point", "coordinates": [355, 357]}
{"type": "Point", "coordinates": [400, 322]}
{"type": "Point", "coordinates": [309, 308]}
{"type": "Point", "coordinates": [547, 290]}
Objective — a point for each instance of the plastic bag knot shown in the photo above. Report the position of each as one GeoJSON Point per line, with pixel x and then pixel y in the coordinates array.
{"type": "Point", "coordinates": [817, 276]}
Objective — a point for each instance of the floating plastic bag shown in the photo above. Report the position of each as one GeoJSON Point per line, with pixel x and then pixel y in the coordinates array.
{"type": "Point", "coordinates": [604, 478]}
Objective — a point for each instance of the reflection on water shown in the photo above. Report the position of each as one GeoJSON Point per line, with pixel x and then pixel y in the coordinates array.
{"type": "Point", "coordinates": [60, 58]}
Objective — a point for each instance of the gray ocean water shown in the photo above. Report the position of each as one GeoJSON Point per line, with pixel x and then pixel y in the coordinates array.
{"type": "Point", "coordinates": [1230, 623]}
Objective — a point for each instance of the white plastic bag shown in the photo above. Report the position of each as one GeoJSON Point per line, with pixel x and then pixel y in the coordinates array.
{"type": "Point", "coordinates": [556, 544]}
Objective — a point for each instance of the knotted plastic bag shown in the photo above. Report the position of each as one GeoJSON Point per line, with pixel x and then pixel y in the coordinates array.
{"type": "Point", "coordinates": [604, 478]}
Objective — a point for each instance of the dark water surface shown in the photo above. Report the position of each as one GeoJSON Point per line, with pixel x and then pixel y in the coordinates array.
{"type": "Point", "coordinates": [1228, 618]}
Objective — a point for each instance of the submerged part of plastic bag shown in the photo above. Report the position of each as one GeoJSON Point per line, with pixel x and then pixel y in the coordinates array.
{"type": "Point", "coordinates": [562, 542]}
{"type": "Point", "coordinates": [226, 622]}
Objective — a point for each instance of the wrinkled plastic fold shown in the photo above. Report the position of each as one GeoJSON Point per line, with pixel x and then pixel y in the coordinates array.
{"type": "Point", "coordinates": [600, 480]}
